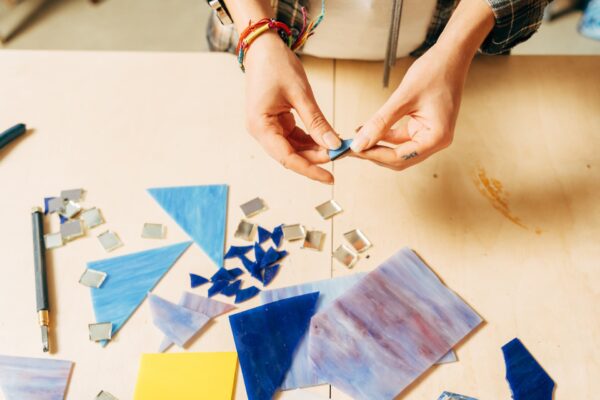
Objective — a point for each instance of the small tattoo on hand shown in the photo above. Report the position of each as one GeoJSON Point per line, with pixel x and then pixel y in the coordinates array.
{"type": "Point", "coordinates": [409, 156]}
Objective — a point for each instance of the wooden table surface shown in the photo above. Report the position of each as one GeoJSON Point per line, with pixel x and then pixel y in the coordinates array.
{"type": "Point", "coordinates": [508, 216]}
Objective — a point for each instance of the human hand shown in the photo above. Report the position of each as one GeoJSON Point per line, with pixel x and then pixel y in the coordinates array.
{"type": "Point", "coordinates": [275, 84]}
{"type": "Point", "coordinates": [429, 97]}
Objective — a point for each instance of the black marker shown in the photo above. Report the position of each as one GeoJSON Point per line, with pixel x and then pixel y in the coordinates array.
{"type": "Point", "coordinates": [41, 283]}
{"type": "Point", "coordinates": [11, 134]}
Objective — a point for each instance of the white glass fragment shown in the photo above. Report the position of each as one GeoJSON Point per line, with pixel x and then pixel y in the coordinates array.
{"type": "Point", "coordinates": [72, 194]}
{"type": "Point", "coordinates": [154, 231]}
{"type": "Point", "coordinates": [245, 231]}
{"type": "Point", "coordinates": [110, 241]}
{"type": "Point", "coordinates": [329, 209]}
{"type": "Point", "coordinates": [313, 240]}
{"type": "Point", "coordinates": [53, 240]}
{"type": "Point", "coordinates": [71, 230]}
{"type": "Point", "coordinates": [293, 232]}
{"type": "Point", "coordinates": [358, 240]}
{"type": "Point", "coordinates": [253, 207]}
{"type": "Point", "coordinates": [100, 331]}
{"type": "Point", "coordinates": [92, 278]}
{"type": "Point", "coordinates": [92, 218]}
{"type": "Point", "coordinates": [345, 255]}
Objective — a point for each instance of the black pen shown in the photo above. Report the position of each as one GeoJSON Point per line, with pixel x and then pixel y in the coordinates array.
{"type": "Point", "coordinates": [41, 283]}
{"type": "Point", "coordinates": [11, 134]}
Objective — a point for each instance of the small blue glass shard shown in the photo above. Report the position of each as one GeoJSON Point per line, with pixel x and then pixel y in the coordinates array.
{"type": "Point", "coordinates": [221, 275]}
{"type": "Point", "coordinates": [454, 396]}
{"type": "Point", "coordinates": [217, 287]}
{"type": "Point", "coordinates": [259, 253]}
{"type": "Point", "coordinates": [237, 251]}
{"type": "Point", "coordinates": [232, 288]}
{"type": "Point", "coordinates": [340, 151]}
{"type": "Point", "coordinates": [62, 219]}
{"type": "Point", "coordinates": [248, 264]}
{"type": "Point", "coordinates": [246, 294]}
{"type": "Point", "coordinates": [277, 235]}
{"type": "Point", "coordinates": [266, 338]}
{"type": "Point", "coordinates": [197, 280]}
{"type": "Point", "coordinates": [270, 273]}
{"type": "Point", "coordinates": [527, 378]}
{"type": "Point", "coordinates": [263, 234]}
{"type": "Point", "coordinates": [272, 256]}
{"type": "Point", "coordinates": [235, 272]}
{"type": "Point", "coordinates": [46, 200]}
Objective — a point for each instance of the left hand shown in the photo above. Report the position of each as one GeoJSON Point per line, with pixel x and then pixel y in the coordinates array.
{"type": "Point", "coordinates": [429, 96]}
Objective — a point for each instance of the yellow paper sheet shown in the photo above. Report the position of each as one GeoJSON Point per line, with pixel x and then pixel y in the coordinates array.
{"type": "Point", "coordinates": [186, 376]}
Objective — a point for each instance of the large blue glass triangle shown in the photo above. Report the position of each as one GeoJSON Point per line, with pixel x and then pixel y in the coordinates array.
{"type": "Point", "coordinates": [526, 377]}
{"type": "Point", "coordinates": [130, 278]}
{"type": "Point", "coordinates": [266, 338]}
{"type": "Point", "coordinates": [201, 211]}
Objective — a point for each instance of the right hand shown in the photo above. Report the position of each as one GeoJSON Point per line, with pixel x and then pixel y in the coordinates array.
{"type": "Point", "coordinates": [275, 84]}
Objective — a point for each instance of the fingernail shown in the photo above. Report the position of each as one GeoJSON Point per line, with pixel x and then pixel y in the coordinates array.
{"type": "Point", "coordinates": [358, 144]}
{"type": "Point", "coordinates": [332, 141]}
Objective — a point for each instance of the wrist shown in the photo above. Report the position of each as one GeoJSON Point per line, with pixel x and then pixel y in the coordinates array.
{"type": "Point", "coordinates": [264, 48]}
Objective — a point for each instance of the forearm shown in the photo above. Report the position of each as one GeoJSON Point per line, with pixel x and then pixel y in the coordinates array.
{"type": "Point", "coordinates": [470, 24]}
{"type": "Point", "coordinates": [243, 11]}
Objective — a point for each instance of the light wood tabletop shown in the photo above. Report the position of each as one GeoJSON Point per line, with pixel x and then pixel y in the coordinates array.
{"type": "Point", "coordinates": [508, 216]}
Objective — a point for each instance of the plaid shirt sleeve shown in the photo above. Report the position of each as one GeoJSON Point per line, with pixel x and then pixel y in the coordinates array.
{"type": "Point", "coordinates": [516, 21]}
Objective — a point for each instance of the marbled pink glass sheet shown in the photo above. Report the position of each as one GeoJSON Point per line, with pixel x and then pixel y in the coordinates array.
{"type": "Point", "coordinates": [388, 329]}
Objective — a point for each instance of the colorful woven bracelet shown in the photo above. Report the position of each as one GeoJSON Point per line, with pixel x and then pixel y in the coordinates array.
{"type": "Point", "coordinates": [292, 37]}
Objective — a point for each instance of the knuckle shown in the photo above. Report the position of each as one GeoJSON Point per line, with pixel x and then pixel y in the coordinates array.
{"type": "Point", "coordinates": [317, 123]}
{"type": "Point", "coordinates": [379, 122]}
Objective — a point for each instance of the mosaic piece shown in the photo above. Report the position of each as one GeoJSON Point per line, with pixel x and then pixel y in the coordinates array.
{"type": "Point", "coordinates": [53, 240]}
{"type": "Point", "coordinates": [328, 209]}
{"type": "Point", "coordinates": [92, 218]}
{"type": "Point", "coordinates": [253, 207]}
{"type": "Point", "coordinates": [154, 231]}
{"type": "Point", "coordinates": [130, 278]}
{"type": "Point", "coordinates": [100, 331]}
{"type": "Point", "coordinates": [235, 272]}
{"type": "Point", "coordinates": [263, 234]}
{"type": "Point", "coordinates": [454, 396]}
{"type": "Point", "coordinates": [72, 194]}
{"type": "Point", "coordinates": [345, 255]}
{"type": "Point", "coordinates": [197, 280]}
{"type": "Point", "coordinates": [526, 377]}
{"type": "Point", "coordinates": [186, 376]}
{"type": "Point", "coordinates": [201, 211]}
{"type": "Point", "coordinates": [179, 324]}
{"type": "Point", "coordinates": [232, 289]}
{"type": "Point", "coordinates": [23, 378]}
{"type": "Point", "coordinates": [221, 275]}
{"type": "Point", "coordinates": [209, 307]}
{"type": "Point", "coordinates": [104, 395]}
{"type": "Point", "coordinates": [277, 235]}
{"type": "Point", "coordinates": [71, 209]}
{"type": "Point", "coordinates": [92, 278]}
{"type": "Point", "coordinates": [313, 240]}
{"type": "Point", "coordinates": [246, 294]}
{"type": "Point", "coordinates": [269, 274]}
{"type": "Point", "coordinates": [217, 287]}
{"type": "Point", "coordinates": [293, 232]}
{"type": "Point", "coordinates": [245, 231]}
{"type": "Point", "coordinates": [358, 240]}
{"type": "Point", "coordinates": [266, 338]}
{"type": "Point", "coordinates": [301, 374]}
{"type": "Point", "coordinates": [237, 251]}
{"type": "Point", "coordinates": [413, 321]}
{"type": "Point", "coordinates": [71, 230]}
{"type": "Point", "coordinates": [110, 241]}
{"type": "Point", "coordinates": [340, 151]}
{"type": "Point", "coordinates": [259, 253]}
{"type": "Point", "coordinates": [272, 256]}
{"type": "Point", "coordinates": [55, 204]}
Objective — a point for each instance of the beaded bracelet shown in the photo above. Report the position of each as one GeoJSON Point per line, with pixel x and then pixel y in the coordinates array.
{"type": "Point", "coordinates": [293, 38]}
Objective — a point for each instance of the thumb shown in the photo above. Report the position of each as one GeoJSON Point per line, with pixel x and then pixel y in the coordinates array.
{"type": "Point", "coordinates": [378, 125]}
{"type": "Point", "coordinates": [316, 124]}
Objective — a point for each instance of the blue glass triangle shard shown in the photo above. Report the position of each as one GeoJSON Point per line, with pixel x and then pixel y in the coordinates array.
{"type": "Point", "coordinates": [232, 289]}
{"type": "Point", "coordinates": [24, 378]}
{"type": "Point", "coordinates": [266, 338]}
{"type": "Point", "coordinates": [179, 324]}
{"type": "Point", "coordinates": [201, 211]}
{"type": "Point", "coordinates": [272, 256]}
{"type": "Point", "coordinates": [270, 273]}
{"type": "Point", "coordinates": [259, 253]}
{"type": "Point", "coordinates": [130, 278]}
{"type": "Point", "coordinates": [277, 235]}
{"type": "Point", "coordinates": [246, 294]}
{"type": "Point", "coordinates": [263, 234]}
{"type": "Point", "coordinates": [217, 287]}
{"type": "Point", "coordinates": [526, 377]}
{"type": "Point", "coordinates": [237, 251]}
{"type": "Point", "coordinates": [340, 151]}
{"type": "Point", "coordinates": [235, 272]}
{"type": "Point", "coordinates": [221, 275]}
{"type": "Point", "coordinates": [197, 280]}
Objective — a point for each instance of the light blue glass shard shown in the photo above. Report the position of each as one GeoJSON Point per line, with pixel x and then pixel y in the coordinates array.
{"type": "Point", "coordinates": [301, 374]}
{"type": "Point", "coordinates": [23, 378]}
{"type": "Point", "coordinates": [266, 338]}
{"type": "Point", "coordinates": [209, 307]}
{"type": "Point", "coordinates": [179, 324]}
{"type": "Point", "coordinates": [454, 396]}
{"type": "Point", "coordinates": [340, 151]}
{"type": "Point", "coordinates": [130, 278]}
{"type": "Point", "coordinates": [201, 211]}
